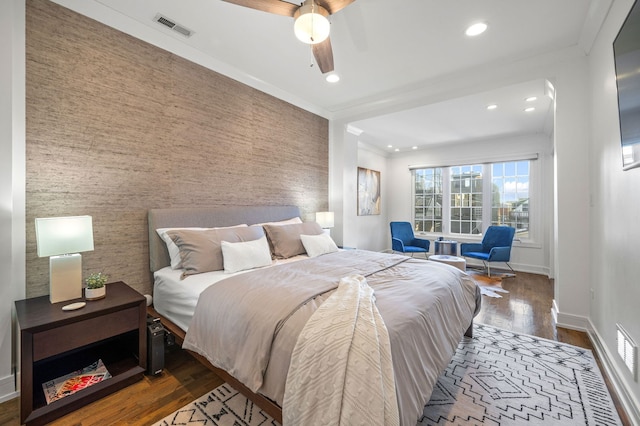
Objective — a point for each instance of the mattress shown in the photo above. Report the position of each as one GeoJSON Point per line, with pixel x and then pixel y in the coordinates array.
{"type": "Point", "coordinates": [175, 298]}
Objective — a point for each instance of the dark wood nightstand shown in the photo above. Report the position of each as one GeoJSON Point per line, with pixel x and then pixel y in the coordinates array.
{"type": "Point", "coordinates": [54, 342]}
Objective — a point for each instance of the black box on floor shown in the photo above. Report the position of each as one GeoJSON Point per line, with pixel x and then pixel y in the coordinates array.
{"type": "Point", "coordinates": [155, 346]}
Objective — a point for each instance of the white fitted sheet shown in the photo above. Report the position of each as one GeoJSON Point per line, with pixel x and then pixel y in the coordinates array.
{"type": "Point", "coordinates": [176, 299]}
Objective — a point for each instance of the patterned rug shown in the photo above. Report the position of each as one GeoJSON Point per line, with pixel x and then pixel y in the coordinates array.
{"type": "Point", "coordinates": [496, 378]}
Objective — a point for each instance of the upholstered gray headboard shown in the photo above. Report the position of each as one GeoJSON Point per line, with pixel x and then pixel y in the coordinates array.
{"type": "Point", "coordinates": [207, 217]}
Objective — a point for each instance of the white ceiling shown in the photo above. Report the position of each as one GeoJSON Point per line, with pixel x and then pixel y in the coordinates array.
{"type": "Point", "coordinates": [381, 48]}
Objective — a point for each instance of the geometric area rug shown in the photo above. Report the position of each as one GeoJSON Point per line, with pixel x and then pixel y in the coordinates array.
{"type": "Point", "coordinates": [496, 378]}
{"type": "Point", "coordinates": [504, 378]}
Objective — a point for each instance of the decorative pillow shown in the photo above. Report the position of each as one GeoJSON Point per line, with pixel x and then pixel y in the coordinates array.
{"type": "Point", "coordinates": [200, 251]}
{"type": "Point", "coordinates": [283, 222]}
{"type": "Point", "coordinates": [174, 252]}
{"type": "Point", "coordinates": [245, 255]}
{"type": "Point", "coordinates": [285, 239]}
{"type": "Point", "coordinates": [316, 245]}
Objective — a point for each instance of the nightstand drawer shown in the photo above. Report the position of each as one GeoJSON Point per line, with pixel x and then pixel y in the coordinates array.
{"type": "Point", "coordinates": [61, 339]}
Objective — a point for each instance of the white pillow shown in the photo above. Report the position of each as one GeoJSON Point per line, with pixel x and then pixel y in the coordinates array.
{"type": "Point", "coordinates": [174, 251]}
{"type": "Point", "coordinates": [245, 255]}
{"type": "Point", "coordinates": [316, 245]}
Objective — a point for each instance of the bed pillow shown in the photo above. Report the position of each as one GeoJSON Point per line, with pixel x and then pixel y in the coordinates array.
{"type": "Point", "coordinates": [241, 256]}
{"type": "Point", "coordinates": [200, 251]}
{"type": "Point", "coordinates": [172, 248]}
{"type": "Point", "coordinates": [283, 222]}
{"type": "Point", "coordinates": [285, 239]}
{"type": "Point", "coordinates": [316, 245]}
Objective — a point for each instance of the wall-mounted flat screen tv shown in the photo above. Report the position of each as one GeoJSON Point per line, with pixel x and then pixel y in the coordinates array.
{"type": "Point", "coordinates": [626, 53]}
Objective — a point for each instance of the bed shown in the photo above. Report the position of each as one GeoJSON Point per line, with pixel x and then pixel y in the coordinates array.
{"type": "Point", "coordinates": [426, 307]}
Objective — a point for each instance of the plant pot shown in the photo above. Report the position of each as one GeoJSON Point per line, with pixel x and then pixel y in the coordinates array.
{"type": "Point", "coordinates": [95, 293]}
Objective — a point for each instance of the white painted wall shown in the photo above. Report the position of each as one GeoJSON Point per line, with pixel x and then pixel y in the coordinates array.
{"type": "Point", "coordinates": [615, 211]}
{"type": "Point", "coordinates": [572, 189]}
{"type": "Point", "coordinates": [373, 231]}
{"type": "Point", "coordinates": [12, 180]}
{"type": "Point", "coordinates": [530, 256]}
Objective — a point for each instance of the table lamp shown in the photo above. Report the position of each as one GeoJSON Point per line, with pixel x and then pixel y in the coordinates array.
{"type": "Point", "coordinates": [62, 239]}
{"type": "Point", "coordinates": [325, 220]}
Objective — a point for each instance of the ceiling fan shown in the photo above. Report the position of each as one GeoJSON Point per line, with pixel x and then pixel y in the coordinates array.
{"type": "Point", "coordinates": [311, 25]}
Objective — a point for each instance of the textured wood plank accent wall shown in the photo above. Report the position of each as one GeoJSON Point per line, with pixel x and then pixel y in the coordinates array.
{"type": "Point", "coordinates": [116, 126]}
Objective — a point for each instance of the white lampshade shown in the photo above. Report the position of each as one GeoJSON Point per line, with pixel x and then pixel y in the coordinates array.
{"type": "Point", "coordinates": [311, 24]}
{"type": "Point", "coordinates": [64, 235]}
{"type": "Point", "coordinates": [325, 219]}
{"type": "Point", "coordinates": [62, 239]}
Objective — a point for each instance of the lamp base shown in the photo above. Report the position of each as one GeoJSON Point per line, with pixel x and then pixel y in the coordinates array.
{"type": "Point", "coordinates": [65, 277]}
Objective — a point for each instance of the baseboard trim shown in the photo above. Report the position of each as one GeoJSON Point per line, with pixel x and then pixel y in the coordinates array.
{"type": "Point", "coordinates": [630, 404]}
{"type": "Point", "coordinates": [572, 322]}
{"type": "Point", "coordinates": [8, 389]}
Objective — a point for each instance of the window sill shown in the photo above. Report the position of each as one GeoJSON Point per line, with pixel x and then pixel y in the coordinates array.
{"type": "Point", "coordinates": [530, 244]}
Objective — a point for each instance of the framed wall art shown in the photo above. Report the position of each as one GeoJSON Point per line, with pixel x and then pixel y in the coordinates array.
{"type": "Point", "coordinates": [368, 192]}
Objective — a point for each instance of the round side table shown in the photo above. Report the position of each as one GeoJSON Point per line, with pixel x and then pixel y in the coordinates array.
{"type": "Point", "coordinates": [455, 261]}
{"type": "Point", "coordinates": [448, 247]}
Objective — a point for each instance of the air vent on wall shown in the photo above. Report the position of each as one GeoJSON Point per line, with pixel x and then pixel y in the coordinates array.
{"type": "Point", "coordinates": [170, 23]}
{"type": "Point", "coordinates": [627, 350]}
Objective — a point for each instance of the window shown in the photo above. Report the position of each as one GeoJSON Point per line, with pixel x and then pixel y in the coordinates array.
{"type": "Point", "coordinates": [466, 199]}
{"type": "Point", "coordinates": [428, 200]}
{"type": "Point", "coordinates": [479, 195]}
{"type": "Point", "coordinates": [510, 200]}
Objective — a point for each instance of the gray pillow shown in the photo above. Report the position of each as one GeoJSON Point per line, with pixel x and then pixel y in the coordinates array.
{"type": "Point", "coordinates": [285, 239]}
{"type": "Point", "coordinates": [200, 251]}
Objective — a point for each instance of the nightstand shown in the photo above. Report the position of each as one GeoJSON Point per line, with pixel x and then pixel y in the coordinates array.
{"type": "Point", "coordinates": [54, 342]}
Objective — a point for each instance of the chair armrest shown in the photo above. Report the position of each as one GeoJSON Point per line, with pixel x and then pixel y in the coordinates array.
{"type": "Point", "coordinates": [419, 242]}
{"type": "Point", "coordinates": [397, 245]}
{"type": "Point", "coordinates": [500, 254]}
{"type": "Point", "coordinates": [469, 247]}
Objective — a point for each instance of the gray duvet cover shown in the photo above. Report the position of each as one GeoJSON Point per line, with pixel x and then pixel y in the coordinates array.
{"type": "Point", "coordinates": [248, 324]}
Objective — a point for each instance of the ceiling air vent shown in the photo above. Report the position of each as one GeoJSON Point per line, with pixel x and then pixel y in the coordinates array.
{"type": "Point", "coordinates": [170, 23]}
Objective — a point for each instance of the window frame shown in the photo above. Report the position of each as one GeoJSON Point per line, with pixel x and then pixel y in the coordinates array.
{"type": "Point", "coordinates": [535, 200]}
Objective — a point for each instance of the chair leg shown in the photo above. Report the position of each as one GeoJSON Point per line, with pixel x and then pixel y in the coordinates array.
{"type": "Point", "coordinates": [487, 268]}
{"type": "Point", "coordinates": [513, 272]}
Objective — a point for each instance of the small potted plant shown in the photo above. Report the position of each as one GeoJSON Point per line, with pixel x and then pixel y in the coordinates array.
{"type": "Point", "coordinates": [95, 286]}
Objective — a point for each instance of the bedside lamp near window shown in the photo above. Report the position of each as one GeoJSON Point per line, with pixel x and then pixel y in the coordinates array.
{"type": "Point", "coordinates": [325, 220]}
{"type": "Point", "coordinates": [62, 239]}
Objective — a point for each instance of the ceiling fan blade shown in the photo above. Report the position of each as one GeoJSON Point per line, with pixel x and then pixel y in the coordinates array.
{"type": "Point", "coordinates": [334, 6]}
{"type": "Point", "coordinates": [324, 55]}
{"type": "Point", "coordinates": [278, 7]}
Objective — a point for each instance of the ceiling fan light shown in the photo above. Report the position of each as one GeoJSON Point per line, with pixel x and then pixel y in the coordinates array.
{"type": "Point", "coordinates": [311, 24]}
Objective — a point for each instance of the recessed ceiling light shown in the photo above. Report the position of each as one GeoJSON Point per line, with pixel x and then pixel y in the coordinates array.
{"type": "Point", "coordinates": [333, 78]}
{"type": "Point", "coordinates": [397, 149]}
{"type": "Point", "coordinates": [389, 146]}
{"type": "Point", "coordinates": [492, 106]}
{"type": "Point", "coordinates": [531, 98]}
{"type": "Point", "coordinates": [476, 29]}
{"type": "Point", "coordinates": [529, 109]}
{"type": "Point", "coordinates": [414, 147]}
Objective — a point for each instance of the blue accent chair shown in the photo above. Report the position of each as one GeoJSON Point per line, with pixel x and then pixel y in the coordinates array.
{"type": "Point", "coordinates": [403, 240]}
{"type": "Point", "coordinates": [495, 247]}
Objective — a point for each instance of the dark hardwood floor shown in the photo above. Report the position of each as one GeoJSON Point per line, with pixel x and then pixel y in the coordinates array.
{"type": "Point", "coordinates": [526, 309]}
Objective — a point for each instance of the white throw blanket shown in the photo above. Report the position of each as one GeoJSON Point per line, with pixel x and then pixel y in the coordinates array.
{"type": "Point", "coordinates": [341, 371]}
